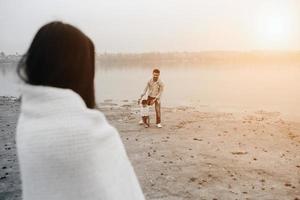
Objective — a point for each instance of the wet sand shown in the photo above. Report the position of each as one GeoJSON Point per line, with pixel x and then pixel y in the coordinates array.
{"type": "Point", "coordinates": [10, 184]}
{"type": "Point", "coordinates": [196, 155]}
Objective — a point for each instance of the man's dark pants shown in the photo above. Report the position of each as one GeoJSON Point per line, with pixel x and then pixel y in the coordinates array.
{"type": "Point", "coordinates": [157, 108]}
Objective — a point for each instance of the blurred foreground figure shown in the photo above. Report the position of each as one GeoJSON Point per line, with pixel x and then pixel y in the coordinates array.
{"type": "Point", "coordinates": [67, 150]}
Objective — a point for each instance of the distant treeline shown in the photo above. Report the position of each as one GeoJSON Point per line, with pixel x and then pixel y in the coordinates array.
{"type": "Point", "coordinates": [198, 58]}
{"type": "Point", "coordinates": [9, 58]}
{"type": "Point", "coordinates": [186, 58]}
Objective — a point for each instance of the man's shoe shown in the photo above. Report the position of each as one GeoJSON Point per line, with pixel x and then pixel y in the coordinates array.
{"type": "Point", "coordinates": [141, 122]}
{"type": "Point", "coordinates": [159, 125]}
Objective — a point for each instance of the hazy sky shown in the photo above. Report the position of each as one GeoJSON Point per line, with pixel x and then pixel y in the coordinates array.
{"type": "Point", "coordinates": [158, 25]}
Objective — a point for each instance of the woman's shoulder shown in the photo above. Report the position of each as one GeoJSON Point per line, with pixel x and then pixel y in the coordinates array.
{"type": "Point", "coordinates": [95, 119]}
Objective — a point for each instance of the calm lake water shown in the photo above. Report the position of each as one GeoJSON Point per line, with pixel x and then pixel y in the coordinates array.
{"type": "Point", "coordinates": [213, 88]}
{"type": "Point", "coordinates": [208, 88]}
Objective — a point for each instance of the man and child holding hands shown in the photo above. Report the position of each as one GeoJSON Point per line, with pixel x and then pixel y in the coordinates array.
{"type": "Point", "coordinates": [153, 89]}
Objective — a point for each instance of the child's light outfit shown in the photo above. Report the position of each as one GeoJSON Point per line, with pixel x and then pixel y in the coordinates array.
{"type": "Point", "coordinates": [144, 111]}
{"type": "Point", "coordinates": [145, 115]}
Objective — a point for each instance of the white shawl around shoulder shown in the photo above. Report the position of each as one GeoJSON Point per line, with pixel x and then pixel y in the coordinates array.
{"type": "Point", "coordinates": [67, 151]}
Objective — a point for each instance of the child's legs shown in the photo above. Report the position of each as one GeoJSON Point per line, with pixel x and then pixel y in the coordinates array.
{"type": "Point", "coordinates": [144, 119]}
{"type": "Point", "coordinates": [147, 120]}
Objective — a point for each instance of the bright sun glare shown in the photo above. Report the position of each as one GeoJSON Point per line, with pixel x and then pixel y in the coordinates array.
{"type": "Point", "coordinates": [274, 26]}
{"type": "Point", "coordinates": [277, 28]}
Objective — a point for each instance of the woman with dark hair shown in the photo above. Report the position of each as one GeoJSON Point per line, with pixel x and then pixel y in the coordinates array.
{"type": "Point", "coordinates": [66, 149]}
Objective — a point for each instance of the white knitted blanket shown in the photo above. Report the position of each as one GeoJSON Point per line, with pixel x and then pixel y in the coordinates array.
{"type": "Point", "coordinates": [69, 152]}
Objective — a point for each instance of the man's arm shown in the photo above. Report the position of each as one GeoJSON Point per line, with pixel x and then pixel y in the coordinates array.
{"type": "Point", "coordinates": [145, 90]}
{"type": "Point", "coordinates": [161, 89]}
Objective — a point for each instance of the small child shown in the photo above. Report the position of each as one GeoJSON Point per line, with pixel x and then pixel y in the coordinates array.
{"type": "Point", "coordinates": [145, 113]}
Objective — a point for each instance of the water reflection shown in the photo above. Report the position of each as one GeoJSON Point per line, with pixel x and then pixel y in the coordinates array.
{"type": "Point", "coordinates": [216, 88]}
{"type": "Point", "coordinates": [220, 88]}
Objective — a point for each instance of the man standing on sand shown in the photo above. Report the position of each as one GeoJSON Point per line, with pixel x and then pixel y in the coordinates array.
{"type": "Point", "coordinates": [154, 89]}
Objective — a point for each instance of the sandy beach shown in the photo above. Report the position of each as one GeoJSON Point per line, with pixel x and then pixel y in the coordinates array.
{"type": "Point", "coordinates": [10, 183]}
{"type": "Point", "coordinates": [196, 155]}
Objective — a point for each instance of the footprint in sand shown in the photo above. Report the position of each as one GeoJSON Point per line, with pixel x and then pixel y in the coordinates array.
{"type": "Point", "coordinates": [193, 179]}
{"type": "Point", "coordinates": [180, 125]}
{"type": "Point", "coordinates": [197, 139]}
{"type": "Point", "coordinates": [239, 152]}
{"type": "Point", "coordinates": [288, 185]}
{"type": "Point", "coordinates": [108, 100]}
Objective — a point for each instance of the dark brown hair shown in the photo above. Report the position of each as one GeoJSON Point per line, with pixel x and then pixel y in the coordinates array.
{"type": "Point", "coordinates": [60, 55]}
{"type": "Point", "coordinates": [156, 71]}
{"type": "Point", "coordinates": [144, 102]}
